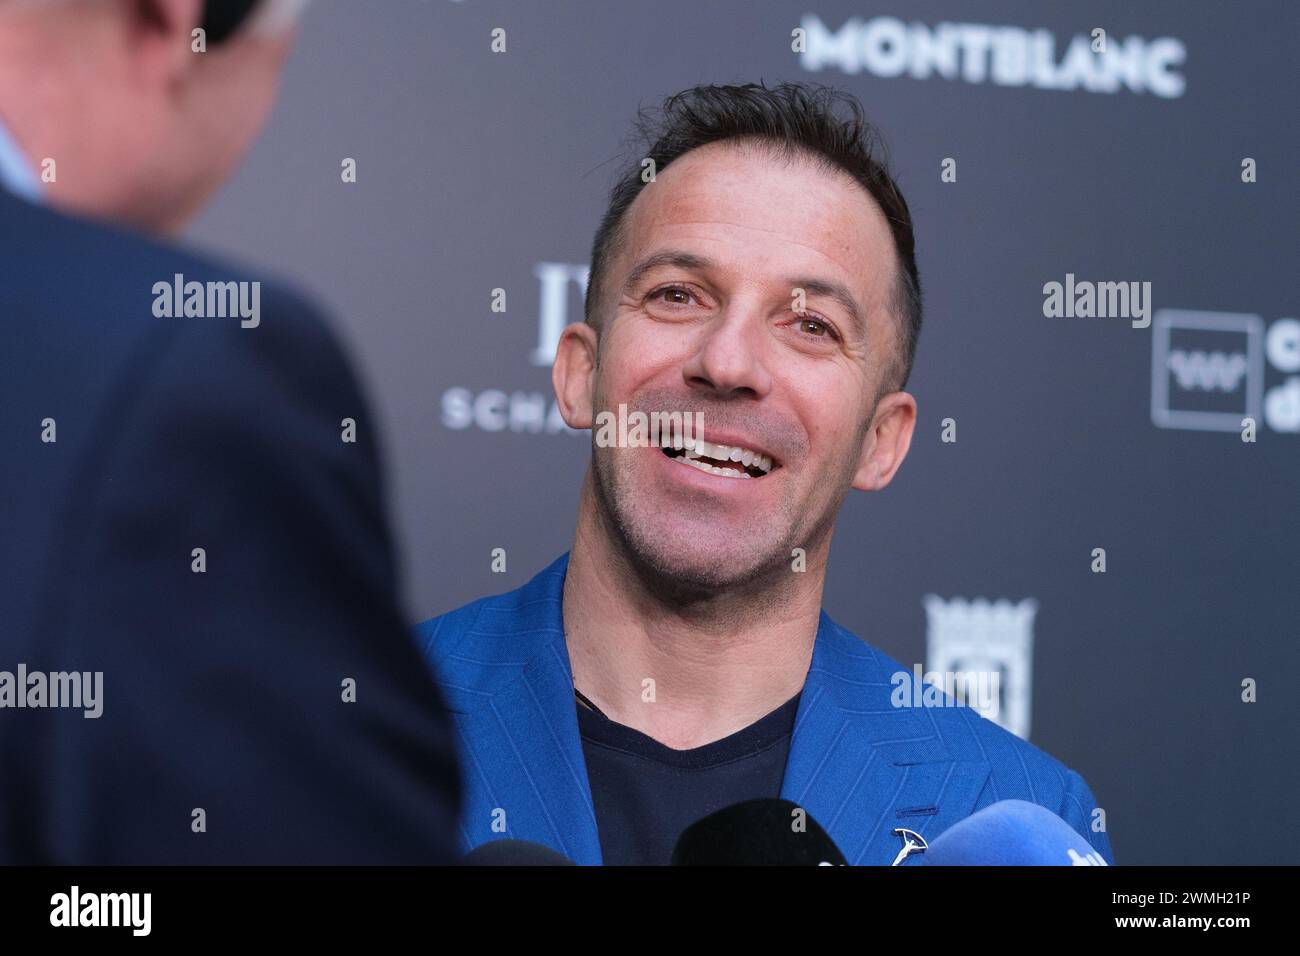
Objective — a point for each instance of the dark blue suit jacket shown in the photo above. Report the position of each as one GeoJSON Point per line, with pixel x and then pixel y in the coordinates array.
{"type": "Point", "coordinates": [857, 764]}
{"type": "Point", "coordinates": [223, 690]}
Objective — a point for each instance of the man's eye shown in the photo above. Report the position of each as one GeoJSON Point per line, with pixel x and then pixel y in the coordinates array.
{"type": "Point", "coordinates": [817, 328]}
{"type": "Point", "coordinates": [679, 296]}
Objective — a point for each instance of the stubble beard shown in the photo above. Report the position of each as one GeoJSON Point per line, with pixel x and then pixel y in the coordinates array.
{"type": "Point", "coordinates": [684, 576]}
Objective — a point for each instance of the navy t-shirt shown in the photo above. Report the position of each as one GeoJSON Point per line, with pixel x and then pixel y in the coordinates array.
{"type": "Point", "coordinates": [645, 793]}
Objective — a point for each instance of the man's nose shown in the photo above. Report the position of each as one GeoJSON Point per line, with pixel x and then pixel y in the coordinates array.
{"type": "Point", "coordinates": [730, 357]}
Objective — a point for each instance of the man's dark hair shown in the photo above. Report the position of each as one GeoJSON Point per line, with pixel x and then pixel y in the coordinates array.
{"type": "Point", "coordinates": [797, 120]}
{"type": "Point", "coordinates": [221, 18]}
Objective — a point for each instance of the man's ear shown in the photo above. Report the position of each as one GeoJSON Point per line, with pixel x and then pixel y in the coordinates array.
{"type": "Point", "coordinates": [886, 442]}
{"type": "Point", "coordinates": [159, 34]}
{"type": "Point", "coordinates": [574, 374]}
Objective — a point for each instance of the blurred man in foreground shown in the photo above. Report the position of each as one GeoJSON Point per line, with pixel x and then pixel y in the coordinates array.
{"type": "Point", "coordinates": [203, 657]}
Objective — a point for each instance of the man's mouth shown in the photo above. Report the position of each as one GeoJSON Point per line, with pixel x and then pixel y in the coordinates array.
{"type": "Point", "coordinates": [726, 461]}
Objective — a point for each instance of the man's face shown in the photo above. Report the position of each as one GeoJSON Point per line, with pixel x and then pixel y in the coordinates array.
{"type": "Point", "coordinates": [729, 234]}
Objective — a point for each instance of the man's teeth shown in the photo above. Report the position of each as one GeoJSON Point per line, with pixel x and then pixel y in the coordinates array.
{"type": "Point", "coordinates": [699, 448]}
{"type": "Point", "coordinates": [712, 469]}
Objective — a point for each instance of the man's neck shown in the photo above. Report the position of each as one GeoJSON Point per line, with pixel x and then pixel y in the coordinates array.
{"type": "Point", "coordinates": [684, 676]}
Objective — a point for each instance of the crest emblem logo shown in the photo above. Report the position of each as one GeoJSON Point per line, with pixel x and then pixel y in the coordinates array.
{"type": "Point", "coordinates": [986, 636]}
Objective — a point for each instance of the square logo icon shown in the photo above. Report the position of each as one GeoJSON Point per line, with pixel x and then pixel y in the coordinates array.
{"type": "Point", "coordinates": [1207, 369]}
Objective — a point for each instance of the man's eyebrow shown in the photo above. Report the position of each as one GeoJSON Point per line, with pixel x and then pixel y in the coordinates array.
{"type": "Point", "coordinates": [833, 290]}
{"type": "Point", "coordinates": [668, 257]}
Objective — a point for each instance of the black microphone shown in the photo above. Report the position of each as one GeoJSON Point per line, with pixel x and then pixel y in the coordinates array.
{"type": "Point", "coordinates": [514, 853]}
{"type": "Point", "coordinates": [1011, 833]}
{"type": "Point", "coordinates": [762, 832]}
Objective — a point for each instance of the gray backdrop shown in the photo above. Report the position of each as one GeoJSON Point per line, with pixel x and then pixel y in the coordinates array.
{"type": "Point", "coordinates": [475, 169]}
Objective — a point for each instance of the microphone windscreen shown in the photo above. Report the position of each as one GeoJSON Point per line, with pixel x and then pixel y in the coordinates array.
{"type": "Point", "coordinates": [1011, 833]}
{"type": "Point", "coordinates": [762, 832]}
{"type": "Point", "coordinates": [514, 853]}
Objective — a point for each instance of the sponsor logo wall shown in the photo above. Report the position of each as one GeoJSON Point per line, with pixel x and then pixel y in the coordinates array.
{"type": "Point", "coordinates": [1027, 158]}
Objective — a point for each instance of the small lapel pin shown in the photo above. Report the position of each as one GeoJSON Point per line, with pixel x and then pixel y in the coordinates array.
{"type": "Point", "coordinates": [913, 842]}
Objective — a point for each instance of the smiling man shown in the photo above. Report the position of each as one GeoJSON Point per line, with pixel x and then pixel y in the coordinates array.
{"type": "Point", "coordinates": [677, 661]}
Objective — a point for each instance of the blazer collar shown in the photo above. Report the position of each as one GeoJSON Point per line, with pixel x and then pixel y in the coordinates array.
{"type": "Point", "coordinates": [860, 766]}
{"type": "Point", "coordinates": [16, 171]}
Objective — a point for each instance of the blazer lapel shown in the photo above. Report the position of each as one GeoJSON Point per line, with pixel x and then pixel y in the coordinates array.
{"type": "Point", "coordinates": [862, 767]}
{"type": "Point", "coordinates": [526, 773]}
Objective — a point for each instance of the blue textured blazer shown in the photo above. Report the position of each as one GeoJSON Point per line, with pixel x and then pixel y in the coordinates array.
{"type": "Point", "coordinates": [857, 764]}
